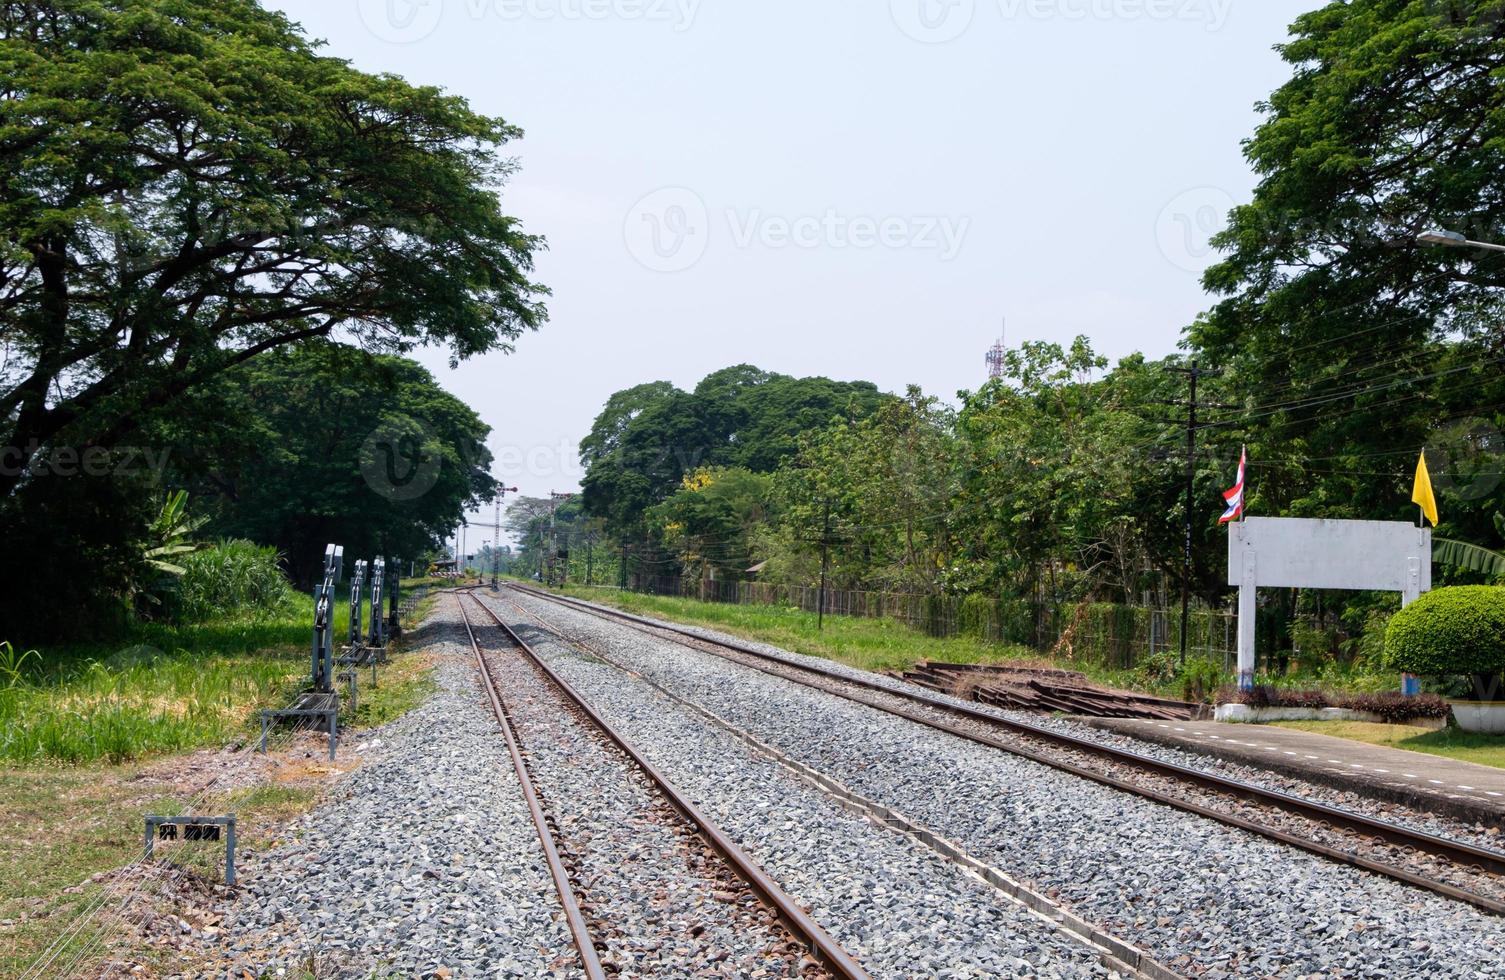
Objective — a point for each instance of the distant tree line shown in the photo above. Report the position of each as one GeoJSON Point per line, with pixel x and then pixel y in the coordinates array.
{"type": "Point", "coordinates": [1343, 345]}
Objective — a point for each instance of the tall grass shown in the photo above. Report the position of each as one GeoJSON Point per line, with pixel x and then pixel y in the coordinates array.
{"type": "Point", "coordinates": [176, 687]}
{"type": "Point", "coordinates": [231, 578]}
{"type": "Point", "coordinates": [152, 702]}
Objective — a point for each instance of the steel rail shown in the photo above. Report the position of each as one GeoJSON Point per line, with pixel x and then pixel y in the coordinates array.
{"type": "Point", "coordinates": [586, 947]}
{"type": "Point", "coordinates": [799, 922]}
{"type": "Point", "coordinates": [1466, 855]}
{"type": "Point", "coordinates": [1115, 953]}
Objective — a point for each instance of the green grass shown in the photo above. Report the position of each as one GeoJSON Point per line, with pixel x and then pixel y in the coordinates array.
{"type": "Point", "coordinates": [65, 824]}
{"type": "Point", "coordinates": [1486, 750]}
{"type": "Point", "coordinates": [70, 808]}
{"type": "Point", "coordinates": [403, 684]}
{"type": "Point", "coordinates": [171, 688]}
{"type": "Point", "coordinates": [869, 643]}
{"type": "Point", "coordinates": [164, 689]}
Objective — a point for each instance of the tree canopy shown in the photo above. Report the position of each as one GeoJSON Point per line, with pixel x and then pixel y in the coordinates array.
{"type": "Point", "coordinates": [649, 437]}
{"type": "Point", "coordinates": [186, 185]}
{"type": "Point", "coordinates": [316, 443]}
{"type": "Point", "coordinates": [1348, 343]}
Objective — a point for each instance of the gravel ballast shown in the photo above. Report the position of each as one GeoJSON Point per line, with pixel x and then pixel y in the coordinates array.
{"type": "Point", "coordinates": [1423, 820]}
{"type": "Point", "coordinates": [424, 859]}
{"type": "Point", "coordinates": [896, 906]}
{"type": "Point", "coordinates": [658, 900]}
{"type": "Point", "coordinates": [1201, 897]}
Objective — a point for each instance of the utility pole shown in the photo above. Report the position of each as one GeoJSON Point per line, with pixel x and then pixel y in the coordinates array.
{"type": "Point", "coordinates": [825, 566]}
{"type": "Point", "coordinates": [590, 555]}
{"type": "Point", "coordinates": [554, 499]}
{"type": "Point", "coordinates": [1194, 373]}
{"type": "Point", "coordinates": [496, 534]}
{"type": "Point", "coordinates": [624, 566]}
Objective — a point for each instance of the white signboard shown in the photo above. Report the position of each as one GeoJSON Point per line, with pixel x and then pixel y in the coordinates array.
{"type": "Point", "coordinates": [1296, 553]}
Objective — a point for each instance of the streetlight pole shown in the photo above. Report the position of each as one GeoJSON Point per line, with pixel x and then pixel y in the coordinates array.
{"type": "Point", "coordinates": [1453, 239]}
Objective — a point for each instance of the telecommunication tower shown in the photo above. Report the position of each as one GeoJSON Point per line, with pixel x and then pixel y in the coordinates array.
{"type": "Point", "coordinates": [996, 358]}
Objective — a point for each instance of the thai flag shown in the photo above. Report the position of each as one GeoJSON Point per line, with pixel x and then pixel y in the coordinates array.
{"type": "Point", "coordinates": [1235, 497]}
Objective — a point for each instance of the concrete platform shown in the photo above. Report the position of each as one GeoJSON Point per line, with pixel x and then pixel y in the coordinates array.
{"type": "Point", "coordinates": [1463, 790]}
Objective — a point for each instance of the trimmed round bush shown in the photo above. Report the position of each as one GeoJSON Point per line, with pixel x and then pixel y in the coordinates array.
{"type": "Point", "coordinates": [1458, 630]}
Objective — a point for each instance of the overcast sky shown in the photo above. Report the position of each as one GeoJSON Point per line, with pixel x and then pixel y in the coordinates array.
{"type": "Point", "coordinates": [862, 190]}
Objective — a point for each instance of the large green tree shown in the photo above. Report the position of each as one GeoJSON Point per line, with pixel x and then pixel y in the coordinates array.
{"type": "Point", "coordinates": [881, 489]}
{"type": "Point", "coordinates": [709, 523]}
{"type": "Point", "coordinates": [188, 184]}
{"type": "Point", "coordinates": [650, 437]}
{"type": "Point", "coordinates": [1351, 343]}
{"type": "Point", "coordinates": [317, 443]}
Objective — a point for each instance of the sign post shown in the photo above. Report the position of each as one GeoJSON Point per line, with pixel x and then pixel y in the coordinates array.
{"type": "Point", "coordinates": [1299, 553]}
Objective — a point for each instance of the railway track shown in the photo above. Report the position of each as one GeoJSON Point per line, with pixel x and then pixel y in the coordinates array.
{"type": "Point", "coordinates": [1453, 869]}
{"type": "Point", "coordinates": [534, 689]}
{"type": "Point", "coordinates": [1120, 957]}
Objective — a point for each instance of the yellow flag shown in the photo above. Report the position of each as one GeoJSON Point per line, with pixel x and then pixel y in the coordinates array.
{"type": "Point", "coordinates": [1421, 493]}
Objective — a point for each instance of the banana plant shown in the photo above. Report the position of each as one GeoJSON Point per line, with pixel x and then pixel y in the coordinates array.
{"type": "Point", "coordinates": [1473, 557]}
{"type": "Point", "coordinates": [167, 536]}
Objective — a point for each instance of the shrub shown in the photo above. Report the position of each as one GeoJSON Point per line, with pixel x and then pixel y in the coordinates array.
{"type": "Point", "coordinates": [1458, 630]}
{"type": "Point", "coordinates": [1391, 706]}
{"type": "Point", "coordinates": [1194, 681]}
{"type": "Point", "coordinates": [231, 577]}
{"type": "Point", "coordinates": [1279, 697]}
{"type": "Point", "coordinates": [1396, 707]}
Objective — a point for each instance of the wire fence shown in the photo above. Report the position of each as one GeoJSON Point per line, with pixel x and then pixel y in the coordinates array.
{"type": "Point", "coordinates": [1112, 635]}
